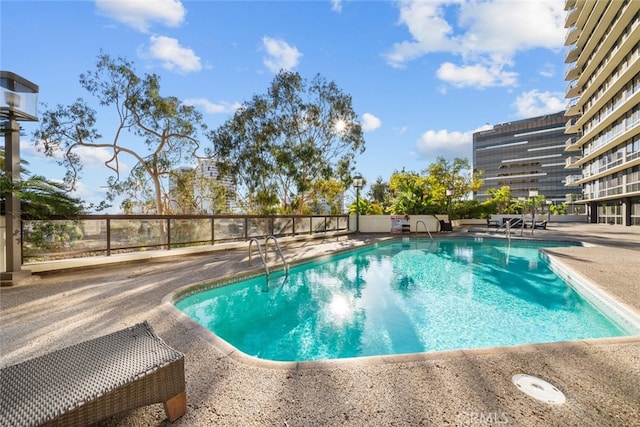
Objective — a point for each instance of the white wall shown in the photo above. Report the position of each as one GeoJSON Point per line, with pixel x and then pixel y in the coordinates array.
{"type": "Point", "coordinates": [542, 217]}
{"type": "Point", "coordinates": [382, 223]}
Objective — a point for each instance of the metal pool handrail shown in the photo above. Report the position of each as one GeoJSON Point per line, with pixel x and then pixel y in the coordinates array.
{"type": "Point", "coordinates": [278, 251]}
{"type": "Point", "coordinates": [507, 229]}
{"type": "Point", "coordinates": [262, 257]}
{"type": "Point", "coordinates": [425, 227]}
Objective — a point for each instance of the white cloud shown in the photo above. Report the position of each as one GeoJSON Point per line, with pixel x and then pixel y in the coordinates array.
{"type": "Point", "coordinates": [430, 31]}
{"type": "Point", "coordinates": [508, 26]}
{"type": "Point", "coordinates": [336, 5]}
{"type": "Point", "coordinates": [173, 56]}
{"type": "Point", "coordinates": [140, 14]}
{"type": "Point", "coordinates": [89, 157]}
{"type": "Point", "coordinates": [536, 103]}
{"type": "Point", "coordinates": [30, 148]}
{"type": "Point", "coordinates": [435, 139]}
{"type": "Point", "coordinates": [212, 108]}
{"type": "Point", "coordinates": [476, 75]}
{"type": "Point", "coordinates": [370, 122]}
{"type": "Point", "coordinates": [485, 35]}
{"type": "Point", "coordinates": [448, 144]}
{"type": "Point", "coordinates": [547, 70]}
{"type": "Point", "coordinates": [81, 191]}
{"type": "Point", "coordinates": [280, 55]}
{"type": "Point", "coordinates": [95, 157]}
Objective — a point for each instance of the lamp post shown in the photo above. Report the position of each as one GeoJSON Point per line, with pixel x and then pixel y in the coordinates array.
{"type": "Point", "coordinates": [533, 194]}
{"type": "Point", "coordinates": [357, 183]}
{"type": "Point", "coordinates": [449, 193]}
{"type": "Point", "coordinates": [19, 102]}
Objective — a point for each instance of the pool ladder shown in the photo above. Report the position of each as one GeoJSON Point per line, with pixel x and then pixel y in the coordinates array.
{"type": "Point", "coordinates": [263, 255]}
{"type": "Point", "coordinates": [425, 227]}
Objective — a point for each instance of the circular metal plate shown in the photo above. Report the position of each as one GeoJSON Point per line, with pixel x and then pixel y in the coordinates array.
{"type": "Point", "coordinates": [538, 389]}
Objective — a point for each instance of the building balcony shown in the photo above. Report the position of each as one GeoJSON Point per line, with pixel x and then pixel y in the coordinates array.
{"type": "Point", "coordinates": [572, 54]}
{"type": "Point", "coordinates": [570, 4]}
{"type": "Point", "coordinates": [572, 89]}
{"type": "Point", "coordinates": [572, 36]}
{"type": "Point", "coordinates": [572, 72]}
{"type": "Point", "coordinates": [572, 107]}
{"type": "Point", "coordinates": [572, 180]}
{"type": "Point", "coordinates": [570, 126]}
{"type": "Point", "coordinates": [571, 162]}
{"type": "Point", "coordinates": [573, 197]}
{"type": "Point", "coordinates": [572, 16]}
{"type": "Point", "coordinates": [571, 143]}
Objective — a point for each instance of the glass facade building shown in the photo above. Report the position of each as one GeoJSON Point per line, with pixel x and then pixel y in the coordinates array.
{"type": "Point", "coordinates": [603, 112]}
{"type": "Point", "coordinates": [525, 155]}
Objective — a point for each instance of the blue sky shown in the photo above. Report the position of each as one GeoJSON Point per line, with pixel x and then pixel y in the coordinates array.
{"type": "Point", "coordinates": [424, 74]}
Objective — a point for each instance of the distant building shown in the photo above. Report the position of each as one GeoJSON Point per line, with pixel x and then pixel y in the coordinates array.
{"type": "Point", "coordinates": [201, 192]}
{"type": "Point", "coordinates": [524, 155]}
{"type": "Point", "coordinates": [207, 168]}
{"type": "Point", "coordinates": [603, 57]}
{"type": "Point", "coordinates": [177, 179]}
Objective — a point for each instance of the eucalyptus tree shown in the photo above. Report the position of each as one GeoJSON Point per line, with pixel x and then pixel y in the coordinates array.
{"type": "Point", "coordinates": [326, 197]}
{"type": "Point", "coordinates": [155, 132]}
{"type": "Point", "coordinates": [194, 193]}
{"type": "Point", "coordinates": [280, 144]}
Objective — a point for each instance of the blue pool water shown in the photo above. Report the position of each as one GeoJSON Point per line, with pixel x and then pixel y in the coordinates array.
{"type": "Point", "coordinates": [400, 297]}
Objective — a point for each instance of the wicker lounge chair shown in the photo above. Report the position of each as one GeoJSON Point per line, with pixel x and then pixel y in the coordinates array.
{"type": "Point", "coordinates": [93, 380]}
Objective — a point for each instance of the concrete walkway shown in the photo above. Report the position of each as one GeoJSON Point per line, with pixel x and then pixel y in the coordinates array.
{"type": "Point", "coordinates": [600, 378]}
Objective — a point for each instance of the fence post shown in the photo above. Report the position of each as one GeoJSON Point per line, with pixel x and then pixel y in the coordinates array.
{"type": "Point", "coordinates": [108, 236]}
{"type": "Point", "coordinates": [168, 234]}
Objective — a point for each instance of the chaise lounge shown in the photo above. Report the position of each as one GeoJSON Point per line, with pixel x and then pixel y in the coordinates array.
{"type": "Point", "coordinates": [540, 224]}
{"type": "Point", "coordinates": [94, 380]}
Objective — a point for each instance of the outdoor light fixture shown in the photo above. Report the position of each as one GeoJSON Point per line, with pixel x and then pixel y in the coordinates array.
{"type": "Point", "coordinates": [449, 193]}
{"type": "Point", "coordinates": [18, 102]}
{"type": "Point", "coordinates": [533, 194]}
{"type": "Point", "coordinates": [357, 183]}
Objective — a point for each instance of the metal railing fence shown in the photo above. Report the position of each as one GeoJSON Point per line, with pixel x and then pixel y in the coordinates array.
{"type": "Point", "coordinates": [95, 235]}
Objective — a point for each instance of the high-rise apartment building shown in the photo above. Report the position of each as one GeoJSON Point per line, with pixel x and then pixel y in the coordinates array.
{"type": "Point", "coordinates": [204, 184]}
{"type": "Point", "coordinates": [208, 169]}
{"type": "Point", "coordinates": [603, 113]}
{"type": "Point", "coordinates": [525, 155]}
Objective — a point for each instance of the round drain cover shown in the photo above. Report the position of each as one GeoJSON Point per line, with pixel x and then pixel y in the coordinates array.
{"type": "Point", "coordinates": [538, 389]}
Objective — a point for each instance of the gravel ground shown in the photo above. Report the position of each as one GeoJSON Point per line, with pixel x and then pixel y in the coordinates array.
{"type": "Point", "coordinates": [600, 378]}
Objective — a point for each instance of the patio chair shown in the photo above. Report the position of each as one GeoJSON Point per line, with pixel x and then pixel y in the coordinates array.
{"type": "Point", "coordinates": [493, 223]}
{"type": "Point", "coordinates": [540, 224]}
{"type": "Point", "coordinates": [515, 222]}
{"type": "Point", "coordinates": [94, 380]}
{"type": "Point", "coordinates": [445, 226]}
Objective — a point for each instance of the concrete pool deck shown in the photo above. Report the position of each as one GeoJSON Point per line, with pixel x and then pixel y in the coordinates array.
{"type": "Point", "coordinates": [600, 378]}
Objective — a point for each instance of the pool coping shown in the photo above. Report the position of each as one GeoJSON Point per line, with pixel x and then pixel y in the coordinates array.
{"type": "Point", "coordinates": [620, 310]}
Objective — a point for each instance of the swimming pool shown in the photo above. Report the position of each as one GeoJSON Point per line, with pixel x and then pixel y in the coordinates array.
{"type": "Point", "coordinates": [403, 297]}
